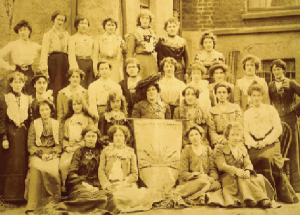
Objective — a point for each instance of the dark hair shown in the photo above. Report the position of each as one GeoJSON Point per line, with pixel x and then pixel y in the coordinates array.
{"type": "Point", "coordinates": [194, 127]}
{"type": "Point", "coordinates": [168, 60]}
{"type": "Point", "coordinates": [171, 20]}
{"type": "Point", "coordinates": [56, 13]}
{"type": "Point", "coordinates": [47, 102]}
{"type": "Point", "coordinates": [114, 95]}
{"type": "Point", "coordinates": [78, 97]}
{"type": "Point", "coordinates": [132, 60]}
{"type": "Point", "coordinates": [208, 34]}
{"type": "Point", "coordinates": [144, 90]}
{"type": "Point", "coordinates": [255, 59]}
{"type": "Point", "coordinates": [103, 62]}
{"type": "Point", "coordinates": [17, 74]}
{"type": "Point", "coordinates": [278, 63]}
{"type": "Point", "coordinates": [23, 23]}
{"type": "Point", "coordinates": [222, 85]}
{"type": "Point", "coordinates": [230, 126]}
{"type": "Point", "coordinates": [255, 87]}
{"type": "Point", "coordinates": [144, 12]}
{"type": "Point", "coordinates": [95, 130]}
{"type": "Point", "coordinates": [105, 21]}
{"type": "Point", "coordinates": [113, 129]}
{"type": "Point", "coordinates": [196, 91]}
{"type": "Point", "coordinates": [78, 19]}
{"type": "Point", "coordinates": [197, 65]}
{"type": "Point", "coordinates": [79, 71]}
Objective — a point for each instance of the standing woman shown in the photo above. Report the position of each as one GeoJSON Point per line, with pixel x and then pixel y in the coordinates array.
{"type": "Point", "coordinates": [23, 53]}
{"type": "Point", "coordinates": [173, 46]}
{"type": "Point", "coordinates": [141, 44]}
{"type": "Point", "coordinates": [81, 49]}
{"type": "Point", "coordinates": [54, 57]}
{"type": "Point", "coordinates": [13, 150]}
{"type": "Point", "coordinates": [282, 92]}
{"type": "Point", "coordinates": [109, 47]}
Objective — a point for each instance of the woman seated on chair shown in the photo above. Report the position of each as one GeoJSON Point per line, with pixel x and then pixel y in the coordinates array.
{"type": "Point", "coordinates": [262, 128]}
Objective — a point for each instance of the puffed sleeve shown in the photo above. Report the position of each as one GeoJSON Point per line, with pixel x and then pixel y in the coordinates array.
{"type": "Point", "coordinates": [136, 112]}
{"type": "Point", "coordinates": [221, 162]}
{"type": "Point", "coordinates": [3, 52]}
{"type": "Point", "coordinates": [45, 52]}
{"type": "Point", "coordinates": [71, 55]}
{"type": "Point", "coordinates": [185, 173]}
{"type": "Point", "coordinates": [131, 45]}
{"type": "Point", "coordinates": [168, 112]}
{"type": "Point", "coordinates": [133, 175]}
{"type": "Point", "coordinates": [104, 181]}
{"type": "Point", "coordinates": [32, 148]}
{"type": "Point", "coordinates": [213, 170]}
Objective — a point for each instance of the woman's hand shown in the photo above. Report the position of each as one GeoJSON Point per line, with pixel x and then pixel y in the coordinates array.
{"type": "Point", "coordinates": [44, 157]}
{"type": "Point", "coordinates": [246, 174]}
{"type": "Point", "coordinates": [69, 149]}
{"type": "Point", "coordinates": [5, 144]}
{"type": "Point", "coordinates": [260, 144]}
{"type": "Point", "coordinates": [240, 173]}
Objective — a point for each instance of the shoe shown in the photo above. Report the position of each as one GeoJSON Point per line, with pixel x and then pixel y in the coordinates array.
{"type": "Point", "coordinates": [266, 203]}
{"type": "Point", "coordinates": [250, 203]}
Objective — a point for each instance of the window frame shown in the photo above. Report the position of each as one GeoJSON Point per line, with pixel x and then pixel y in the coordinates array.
{"type": "Point", "coordinates": [262, 9]}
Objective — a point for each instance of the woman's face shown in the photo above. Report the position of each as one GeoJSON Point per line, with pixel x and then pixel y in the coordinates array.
{"type": "Point", "coordinates": [152, 93]}
{"type": "Point", "coordinates": [250, 68]}
{"type": "Point", "coordinates": [208, 44]}
{"type": "Point", "coordinates": [278, 72]}
{"type": "Point", "coordinates": [110, 27]}
{"type": "Point", "coordinates": [172, 29]}
{"type": "Point", "coordinates": [196, 75]}
{"type": "Point", "coordinates": [45, 111]}
{"type": "Point", "coordinates": [77, 106]}
{"type": "Point", "coordinates": [145, 21]}
{"type": "Point", "coordinates": [132, 69]}
{"type": "Point", "coordinates": [116, 104]}
{"type": "Point", "coordinates": [195, 137]}
{"type": "Point", "coordinates": [190, 97]}
{"type": "Point", "coordinates": [222, 94]}
{"type": "Point", "coordinates": [75, 79]}
{"type": "Point", "coordinates": [219, 75]}
{"type": "Point", "coordinates": [17, 85]}
{"type": "Point", "coordinates": [104, 70]}
{"type": "Point", "coordinates": [83, 26]}
{"type": "Point", "coordinates": [90, 139]}
{"type": "Point", "coordinates": [169, 69]}
{"type": "Point", "coordinates": [256, 98]}
{"type": "Point", "coordinates": [59, 21]}
{"type": "Point", "coordinates": [41, 85]}
{"type": "Point", "coordinates": [119, 138]}
{"type": "Point", "coordinates": [235, 136]}
{"type": "Point", "coordinates": [24, 33]}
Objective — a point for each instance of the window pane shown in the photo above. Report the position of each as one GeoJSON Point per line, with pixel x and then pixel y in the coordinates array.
{"type": "Point", "coordinates": [272, 3]}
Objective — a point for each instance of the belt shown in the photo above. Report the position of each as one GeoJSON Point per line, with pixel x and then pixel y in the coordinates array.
{"type": "Point", "coordinates": [83, 57]}
{"type": "Point", "coordinates": [101, 105]}
{"type": "Point", "coordinates": [56, 52]}
{"type": "Point", "coordinates": [259, 139]}
{"type": "Point", "coordinates": [23, 67]}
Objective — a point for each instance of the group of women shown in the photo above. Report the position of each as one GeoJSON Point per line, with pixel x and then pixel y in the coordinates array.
{"type": "Point", "coordinates": [66, 129]}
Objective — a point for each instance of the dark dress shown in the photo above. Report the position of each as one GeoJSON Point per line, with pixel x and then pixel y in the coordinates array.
{"type": "Point", "coordinates": [14, 161]}
{"type": "Point", "coordinates": [131, 98]}
{"type": "Point", "coordinates": [283, 101]}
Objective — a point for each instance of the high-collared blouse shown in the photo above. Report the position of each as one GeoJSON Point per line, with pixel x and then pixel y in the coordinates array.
{"type": "Point", "coordinates": [22, 53]}
{"type": "Point", "coordinates": [53, 41]}
{"type": "Point", "coordinates": [282, 95]}
{"type": "Point", "coordinates": [212, 95]}
{"type": "Point", "coordinates": [261, 123]}
{"type": "Point", "coordinates": [98, 92]}
{"type": "Point", "coordinates": [117, 163]}
{"type": "Point", "coordinates": [241, 91]}
{"type": "Point", "coordinates": [141, 41]}
{"type": "Point", "coordinates": [171, 90]}
{"type": "Point", "coordinates": [202, 162]}
{"type": "Point", "coordinates": [144, 109]}
{"type": "Point", "coordinates": [80, 45]}
{"type": "Point", "coordinates": [227, 163]}
{"type": "Point", "coordinates": [219, 118]}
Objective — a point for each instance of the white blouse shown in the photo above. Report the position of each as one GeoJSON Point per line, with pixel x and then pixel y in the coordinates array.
{"type": "Point", "coordinates": [171, 90]}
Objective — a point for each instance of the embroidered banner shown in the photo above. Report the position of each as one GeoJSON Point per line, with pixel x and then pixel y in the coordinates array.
{"type": "Point", "coordinates": [158, 145]}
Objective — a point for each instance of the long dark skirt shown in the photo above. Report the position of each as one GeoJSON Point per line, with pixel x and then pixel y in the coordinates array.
{"type": "Point", "coordinates": [14, 164]}
{"type": "Point", "coordinates": [148, 65]}
{"type": "Point", "coordinates": [58, 66]}
{"type": "Point", "coordinates": [294, 150]}
{"type": "Point", "coordinates": [28, 89]}
{"type": "Point", "coordinates": [86, 65]}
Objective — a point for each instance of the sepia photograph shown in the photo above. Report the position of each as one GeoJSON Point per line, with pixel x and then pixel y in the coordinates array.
{"type": "Point", "coordinates": [149, 107]}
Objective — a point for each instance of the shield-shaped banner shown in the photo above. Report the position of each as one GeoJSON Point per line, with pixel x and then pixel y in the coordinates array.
{"type": "Point", "coordinates": [158, 145]}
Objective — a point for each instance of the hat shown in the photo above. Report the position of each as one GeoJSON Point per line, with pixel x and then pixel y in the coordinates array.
{"type": "Point", "coordinates": [217, 65]}
{"type": "Point", "coordinates": [39, 74]}
{"type": "Point", "coordinates": [142, 85]}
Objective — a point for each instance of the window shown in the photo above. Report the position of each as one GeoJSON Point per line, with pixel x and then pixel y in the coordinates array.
{"type": "Point", "coordinates": [267, 75]}
{"type": "Point", "coordinates": [273, 4]}
{"type": "Point", "coordinates": [145, 4]}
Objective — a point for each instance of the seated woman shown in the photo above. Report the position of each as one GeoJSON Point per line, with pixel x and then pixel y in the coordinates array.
{"type": "Point", "coordinates": [198, 172]}
{"type": "Point", "coordinates": [115, 113]}
{"type": "Point", "coordinates": [43, 179]}
{"type": "Point", "coordinates": [76, 120]}
{"type": "Point", "coordinates": [221, 114]}
{"type": "Point", "coordinates": [150, 106]}
{"type": "Point", "coordinates": [170, 86]}
{"type": "Point", "coordinates": [262, 128]}
{"type": "Point", "coordinates": [241, 185]}
{"type": "Point", "coordinates": [132, 68]}
{"type": "Point", "coordinates": [191, 112]}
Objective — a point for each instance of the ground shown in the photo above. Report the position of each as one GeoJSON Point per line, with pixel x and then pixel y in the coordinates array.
{"type": "Point", "coordinates": [286, 209]}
